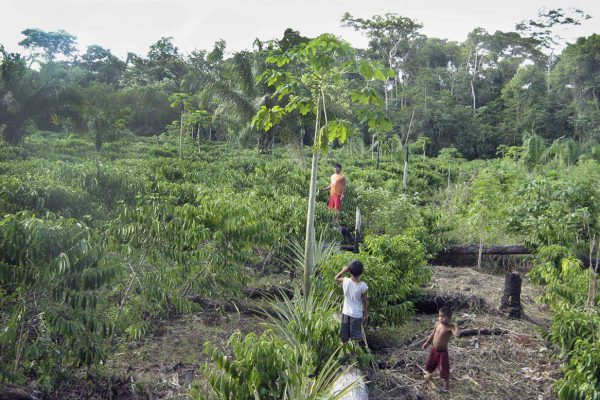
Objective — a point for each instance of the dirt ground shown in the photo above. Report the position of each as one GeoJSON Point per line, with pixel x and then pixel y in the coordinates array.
{"type": "Point", "coordinates": [164, 364]}
{"type": "Point", "coordinates": [514, 365]}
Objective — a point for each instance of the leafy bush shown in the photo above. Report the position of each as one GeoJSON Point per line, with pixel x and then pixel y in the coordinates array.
{"type": "Point", "coordinates": [393, 272]}
{"type": "Point", "coordinates": [40, 195]}
{"type": "Point", "coordinates": [52, 276]}
{"type": "Point", "coordinates": [259, 366]}
{"type": "Point", "coordinates": [582, 371]}
{"type": "Point", "coordinates": [574, 328]}
{"type": "Point", "coordinates": [387, 212]}
{"type": "Point", "coordinates": [308, 322]}
{"type": "Point", "coordinates": [296, 358]}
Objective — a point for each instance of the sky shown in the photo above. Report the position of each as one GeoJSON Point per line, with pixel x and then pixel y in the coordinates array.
{"type": "Point", "coordinates": [133, 25]}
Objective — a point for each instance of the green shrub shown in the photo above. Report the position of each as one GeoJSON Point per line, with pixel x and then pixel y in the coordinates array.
{"type": "Point", "coordinates": [582, 371]}
{"type": "Point", "coordinates": [295, 358]}
{"type": "Point", "coordinates": [52, 276]}
{"type": "Point", "coordinates": [393, 271]}
{"type": "Point", "coordinates": [574, 327]}
{"type": "Point", "coordinates": [259, 368]}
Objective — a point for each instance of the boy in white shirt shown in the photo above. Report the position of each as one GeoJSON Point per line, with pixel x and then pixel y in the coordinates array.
{"type": "Point", "coordinates": [355, 309]}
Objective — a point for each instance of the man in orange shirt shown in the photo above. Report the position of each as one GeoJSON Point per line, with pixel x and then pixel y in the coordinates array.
{"type": "Point", "coordinates": [337, 188]}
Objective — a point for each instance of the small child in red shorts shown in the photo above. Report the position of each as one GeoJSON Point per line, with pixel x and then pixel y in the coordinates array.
{"type": "Point", "coordinates": [438, 356]}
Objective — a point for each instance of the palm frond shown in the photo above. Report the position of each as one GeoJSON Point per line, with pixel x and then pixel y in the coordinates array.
{"type": "Point", "coordinates": [328, 384]}
{"type": "Point", "coordinates": [231, 101]}
{"type": "Point", "coordinates": [242, 65]}
{"type": "Point", "coordinates": [323, 250]}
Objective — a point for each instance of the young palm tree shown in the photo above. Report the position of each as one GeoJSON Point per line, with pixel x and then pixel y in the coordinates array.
{"type": "Point", "coordinates": [240, 97]}
{"type": "Point", "coordinates": [27, 94]}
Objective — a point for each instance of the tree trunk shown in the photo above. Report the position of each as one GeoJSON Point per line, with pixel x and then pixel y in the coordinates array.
{"type": "Point", "coordinates": [593, 289]}
{"type": "Point", "coordinates": [405, 172]}
{"type": "Point", "coordinates": [357, 229]}
{"type": "Point", "coordinates": [473, 95]}
{"type": "Point", "coordinates": [309, 244]}
{"type": "Point", "coordinates": [481, 237]}
{"type": "Point", "coordinates": [480, 252]}
{"type": "Point", "coordinates": [372, 147]}
{"type": "Point", "coordinates": [310, 226]}
{"type": "Point", "coordinates": [181, 136]}
{"type": "Point", "coordinates": [385, 93]}
{"type": "Point", "coordinates": [593, 277]}
{"type": "Point", "coordinates": [473, 83]}
{"type": "Point", "coordinates": [511, 298]}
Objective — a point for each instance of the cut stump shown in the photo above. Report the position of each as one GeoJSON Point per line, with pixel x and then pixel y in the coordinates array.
{"type": "Point", "coordinates": [511, 298]}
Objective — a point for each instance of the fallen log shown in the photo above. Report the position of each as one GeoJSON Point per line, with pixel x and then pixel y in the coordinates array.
{"type": "Point", "coordinates": [231, 306]}
{"type": "Point", "coordinates": [270, 292]}
{"type": "Point", "coordinates": [483, 331]}
{"type": "Point", "coordinates": [431, 303]}
{"type": "Point", "coordinates": [13, 392]}
{"type": "Point", "coordinates": [467, 254]}
{"type": "Point", "coordinates": [463, 254]}
{"type": "Point", "coordinates": [498, 249]}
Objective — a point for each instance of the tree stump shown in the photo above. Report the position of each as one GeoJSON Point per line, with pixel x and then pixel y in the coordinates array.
{"type": "Point", "coordinates": [511, 298]}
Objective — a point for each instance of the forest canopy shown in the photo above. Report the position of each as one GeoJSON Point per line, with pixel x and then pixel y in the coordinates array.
{"type": "Point", "coordinates": [493, 89]}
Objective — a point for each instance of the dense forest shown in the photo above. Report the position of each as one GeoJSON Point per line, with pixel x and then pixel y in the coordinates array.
{"type": "Point", "coordinates": [138, 192]}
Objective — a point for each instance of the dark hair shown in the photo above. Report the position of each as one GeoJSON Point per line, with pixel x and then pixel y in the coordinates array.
{"type": "Point", "coordinates": [337, 165]}
{"type": "Point", "coordinates": [356, 268]}
{"type": "Point", "coordinates": [447, 311]}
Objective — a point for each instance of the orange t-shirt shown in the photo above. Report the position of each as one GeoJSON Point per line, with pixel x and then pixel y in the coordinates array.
{"type": "Point", "coordinates": [337, 185]}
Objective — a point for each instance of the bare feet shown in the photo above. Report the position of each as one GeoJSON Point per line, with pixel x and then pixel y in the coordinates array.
{"type": "Point", "coordinates": [429, 380]}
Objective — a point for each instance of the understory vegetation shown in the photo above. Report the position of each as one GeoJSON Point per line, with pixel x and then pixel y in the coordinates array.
{"type": "Point", "coordinates": [97, 248]}
{"type": "Point", "coordinates": [133, 192]}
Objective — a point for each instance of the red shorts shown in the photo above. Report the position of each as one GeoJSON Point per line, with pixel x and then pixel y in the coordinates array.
{"type": "Point", "coordinates": [438, 358]}
{"type": "Point", "coordinates": [335, 202]}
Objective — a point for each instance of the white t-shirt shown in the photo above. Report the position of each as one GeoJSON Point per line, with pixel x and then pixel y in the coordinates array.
{"type": "Point", "coordinates": [352, 297]}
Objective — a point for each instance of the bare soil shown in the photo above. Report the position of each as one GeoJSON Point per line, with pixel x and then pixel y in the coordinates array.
{"type": "Point", "coordinates": [515, 365]}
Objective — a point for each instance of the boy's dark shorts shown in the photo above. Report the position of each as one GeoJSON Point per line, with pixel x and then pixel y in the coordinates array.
{"type": "Point", "coordinates": [351, 328]}
{"type": "Point", "coordinates": [438, 358]}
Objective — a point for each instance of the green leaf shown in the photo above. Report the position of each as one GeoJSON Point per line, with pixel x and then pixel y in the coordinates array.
{"type": "Point", "coordinates": [266, 118]}
{"type": "Point", "coordinates": [334, 130]}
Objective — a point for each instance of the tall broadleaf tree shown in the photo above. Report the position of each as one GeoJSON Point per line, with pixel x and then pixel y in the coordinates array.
{"type": "Point", "coordinates": [320, 70]}
{"type": "Point", "coordinates": [392, 39]}
{"type": "Point", "coordinates": [48, 45]}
